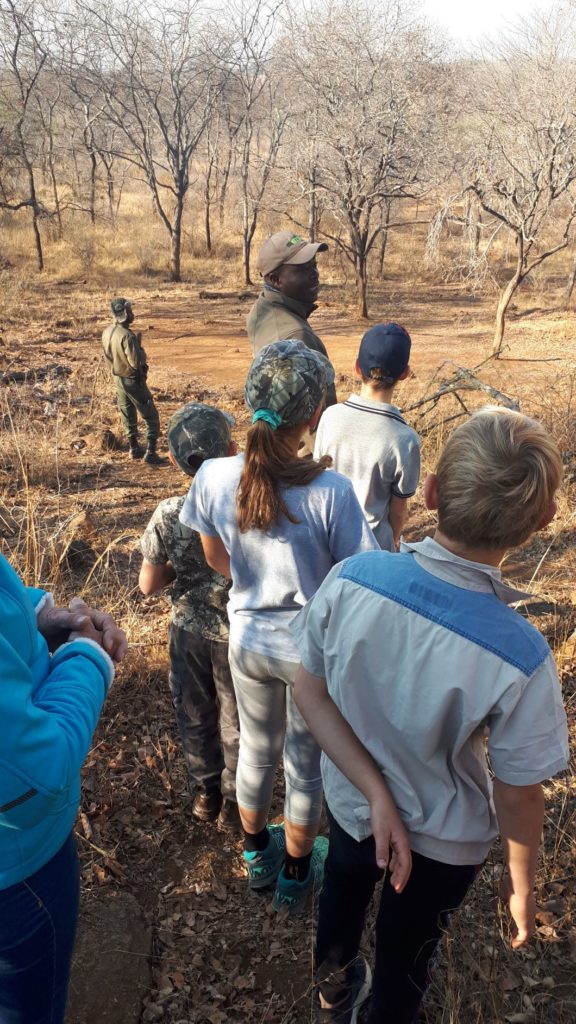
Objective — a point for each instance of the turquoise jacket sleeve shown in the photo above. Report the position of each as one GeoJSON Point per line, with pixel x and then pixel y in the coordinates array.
{"type": "Point", "coordinates": [49, 708]}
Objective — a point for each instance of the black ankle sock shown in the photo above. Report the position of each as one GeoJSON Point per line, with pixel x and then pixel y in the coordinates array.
{"type": "Point", "coordinates": [256, 842]}
{"type": "Point", "coordinates": [297, 868]}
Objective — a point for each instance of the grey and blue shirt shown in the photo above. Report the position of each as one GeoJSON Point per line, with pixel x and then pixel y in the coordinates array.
{"type": "Point", "coordinates": [433, 671]}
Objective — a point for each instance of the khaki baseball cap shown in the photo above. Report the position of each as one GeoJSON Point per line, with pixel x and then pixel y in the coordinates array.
{"type": "Point", "coordinates": [286, 247]}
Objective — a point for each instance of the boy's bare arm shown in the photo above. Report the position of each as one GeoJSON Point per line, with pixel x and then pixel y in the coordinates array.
{"type": "Point", "coordinates": [153, 578]}
{"type": "Point", "coordinates": [339, 741]}
{"type": "Point", "coordinates": [520, 813]}
{"type": "Point", "coordinates": [216, 555]}
{"type": "Point", "coordinates": [397, 516]}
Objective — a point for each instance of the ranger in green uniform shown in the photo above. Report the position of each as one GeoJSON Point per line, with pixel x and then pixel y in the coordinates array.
{"type": "Point", "coordinates": [127, 359]}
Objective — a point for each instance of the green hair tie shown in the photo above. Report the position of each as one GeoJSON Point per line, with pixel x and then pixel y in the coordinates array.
{"type": "Point", "coordinates": [273, 419]}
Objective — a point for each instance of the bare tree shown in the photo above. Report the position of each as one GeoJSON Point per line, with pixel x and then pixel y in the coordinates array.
{"type": "Point", "coordinates": [160, 78]}
{"type": "Point", "coordinates": [22, 57]}
{"type": "Point", "coordinates": [256, 106]}
{"type": "Point", "coordinates": [371, 75]}
{"type": "Point", "coordinates": [523, 165]}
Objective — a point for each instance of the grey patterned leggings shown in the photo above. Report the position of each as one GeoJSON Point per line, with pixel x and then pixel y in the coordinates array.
{"type": "Point", "coordinates": [269, 723]}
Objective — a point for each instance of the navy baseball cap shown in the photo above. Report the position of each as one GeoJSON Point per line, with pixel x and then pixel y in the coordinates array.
{"type": "Point", "coordinates": [385, 347]}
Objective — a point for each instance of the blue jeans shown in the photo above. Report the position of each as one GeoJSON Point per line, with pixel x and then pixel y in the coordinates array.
{"type": "Point", "coordinates": [37, 928]}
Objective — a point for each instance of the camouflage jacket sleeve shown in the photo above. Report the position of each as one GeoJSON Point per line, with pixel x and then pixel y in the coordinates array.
{"type": "Point", "coordinates": [152, 542]}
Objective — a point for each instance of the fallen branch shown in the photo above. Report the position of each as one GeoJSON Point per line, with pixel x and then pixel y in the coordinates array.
{"type": "Point", "coordinates": [241, 296]}
{"type": "Point", "coordinates": [463, 380]}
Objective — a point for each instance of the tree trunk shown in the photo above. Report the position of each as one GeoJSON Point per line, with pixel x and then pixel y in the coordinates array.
{"type": "Point", "coordinates": [207, 230]}
{"type": "Point", "coordinates": [107, 164]}
{"type": "Point", "coordinates": [52, 174]}
{"type": "Point", "coordinates": [92, 203]}
{"type": "Point", "coordinates": [33, 200]}
{"type": "Point", "coordinates": [570, 286]}
{"type": "Point", "coordinates": [224, 188]}
{"type": "Point", "coordinates": [362, 284]}
{"type": "Point", "coordinates": [176, 240]}
{"type": "Point", "coordinates": [56, 199]}
{"type": "Point", "coordinates": [37, 238]}
{"type": "Point", "coordinates": [503, 304]}
{"type": "Point", "coordinates": [313, 208]}
{"type": "Point", "coordinates": [246, 250]}
{"type": "Point", "coordinates": [35, 227]}
{"type": "Point", "coordinates": [384, 236]}
{"type": "Point", "coordinates": [246, 239]}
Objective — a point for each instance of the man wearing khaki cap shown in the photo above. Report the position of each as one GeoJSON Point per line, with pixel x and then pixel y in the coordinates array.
{"type": "Point", "coordinates": [287, 263]}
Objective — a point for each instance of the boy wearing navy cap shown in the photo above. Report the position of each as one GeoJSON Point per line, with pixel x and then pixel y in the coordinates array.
{"type": "Point", "coordinates": [369, 440]}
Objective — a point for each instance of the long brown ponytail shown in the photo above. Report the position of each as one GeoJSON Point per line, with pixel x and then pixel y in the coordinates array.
{"type": "Point", "coordinates": [269, 465]}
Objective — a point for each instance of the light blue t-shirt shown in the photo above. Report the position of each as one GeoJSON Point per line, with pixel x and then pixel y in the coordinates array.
{"type": "Point", "coordinates": [274, 573]}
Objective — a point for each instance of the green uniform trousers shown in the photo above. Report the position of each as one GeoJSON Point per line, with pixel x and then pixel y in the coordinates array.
{"type": "Point", "coordinates": [134, 396]}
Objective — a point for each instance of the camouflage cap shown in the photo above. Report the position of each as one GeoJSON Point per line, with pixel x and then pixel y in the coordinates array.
{"type": "Point", "coordinates": [197, 432]}
{"type": "Point", "coordinates": [119, 308]}
{"type": "Point", "coordinates": [289, 379]}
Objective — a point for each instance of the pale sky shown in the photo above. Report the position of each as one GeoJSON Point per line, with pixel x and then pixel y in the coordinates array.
{"type": "Point", "coordinates": [468, 20]}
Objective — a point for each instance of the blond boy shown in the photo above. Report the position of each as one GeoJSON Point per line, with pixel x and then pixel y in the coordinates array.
{"type": "Point", "coordinates": [407, 660]}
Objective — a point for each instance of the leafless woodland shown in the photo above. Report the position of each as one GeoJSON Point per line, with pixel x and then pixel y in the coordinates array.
{"type": "Point", "coordinates": [344, 119]}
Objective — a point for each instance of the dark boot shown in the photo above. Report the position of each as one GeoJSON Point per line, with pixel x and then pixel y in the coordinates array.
{"type": "Point", "coordinates": [136, 452]}
{"type": "Point", "coordinates": [206, 805]}
{"type": "Point", "coordinates": [152, 457]}
{"type": "Point", "coordinates": [229, 817]}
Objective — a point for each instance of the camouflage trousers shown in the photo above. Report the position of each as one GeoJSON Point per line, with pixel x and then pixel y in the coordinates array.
{"type": "Point", "coordinates": [206, 712]}
{"type": "Point", "coordinates": [134, 396]}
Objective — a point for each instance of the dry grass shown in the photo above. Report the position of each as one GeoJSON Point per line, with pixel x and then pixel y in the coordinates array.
{"type": "Point", "coordinates": [52, 471]}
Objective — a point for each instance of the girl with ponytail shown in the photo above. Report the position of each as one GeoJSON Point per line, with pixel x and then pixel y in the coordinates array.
{"type": "Point", "coordinates": [276, 524]}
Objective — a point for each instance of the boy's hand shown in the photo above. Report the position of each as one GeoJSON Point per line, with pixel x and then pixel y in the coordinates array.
{"type": "Point", "coordinates": [391, 839]}
{"type": "Point", "coordinates": [522, 911]}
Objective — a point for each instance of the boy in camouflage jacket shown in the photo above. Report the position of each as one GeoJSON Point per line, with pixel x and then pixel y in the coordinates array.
{"type": "Point", "coordinates": [200, 681]}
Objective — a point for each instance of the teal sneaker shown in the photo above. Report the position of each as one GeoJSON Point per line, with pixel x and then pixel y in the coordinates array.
{"type": "Point", "coordinates": [264, 867]}
{"type": "Point", "coordinates": [292, 894]}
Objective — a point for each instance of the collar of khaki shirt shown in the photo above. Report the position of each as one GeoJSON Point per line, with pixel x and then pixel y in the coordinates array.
{"type": "Point", "coordinates": [302, 309]}
{"type": "Point", "coordinates": [461, 572]}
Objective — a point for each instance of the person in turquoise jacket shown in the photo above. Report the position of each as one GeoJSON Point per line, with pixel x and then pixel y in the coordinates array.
{"type": "Point", "coordinates": [49, 707]}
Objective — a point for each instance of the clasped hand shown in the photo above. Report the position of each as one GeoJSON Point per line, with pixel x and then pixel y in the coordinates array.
{"type": "Point", "coordinates": [58, 625]}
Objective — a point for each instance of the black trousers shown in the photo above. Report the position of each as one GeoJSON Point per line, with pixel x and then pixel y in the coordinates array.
{"type": "Point", "coordinates": [206, 713]}
{"type": "Point", "coordinates": [408, 926]}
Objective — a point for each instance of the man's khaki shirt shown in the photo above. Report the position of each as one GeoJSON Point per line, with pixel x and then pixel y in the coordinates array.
{"type": "Point", "coordinates": [123, 350]}
{"type": "Point", "coordinates": [275, 317]}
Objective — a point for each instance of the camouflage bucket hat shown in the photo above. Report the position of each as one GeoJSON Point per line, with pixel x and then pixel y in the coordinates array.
{"type": "Point", "coordinates": [286, 382]}
{"type": "Point", "coordinates": [197, 432]}
{"type": "Point", "coordinates": [118, 307]}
